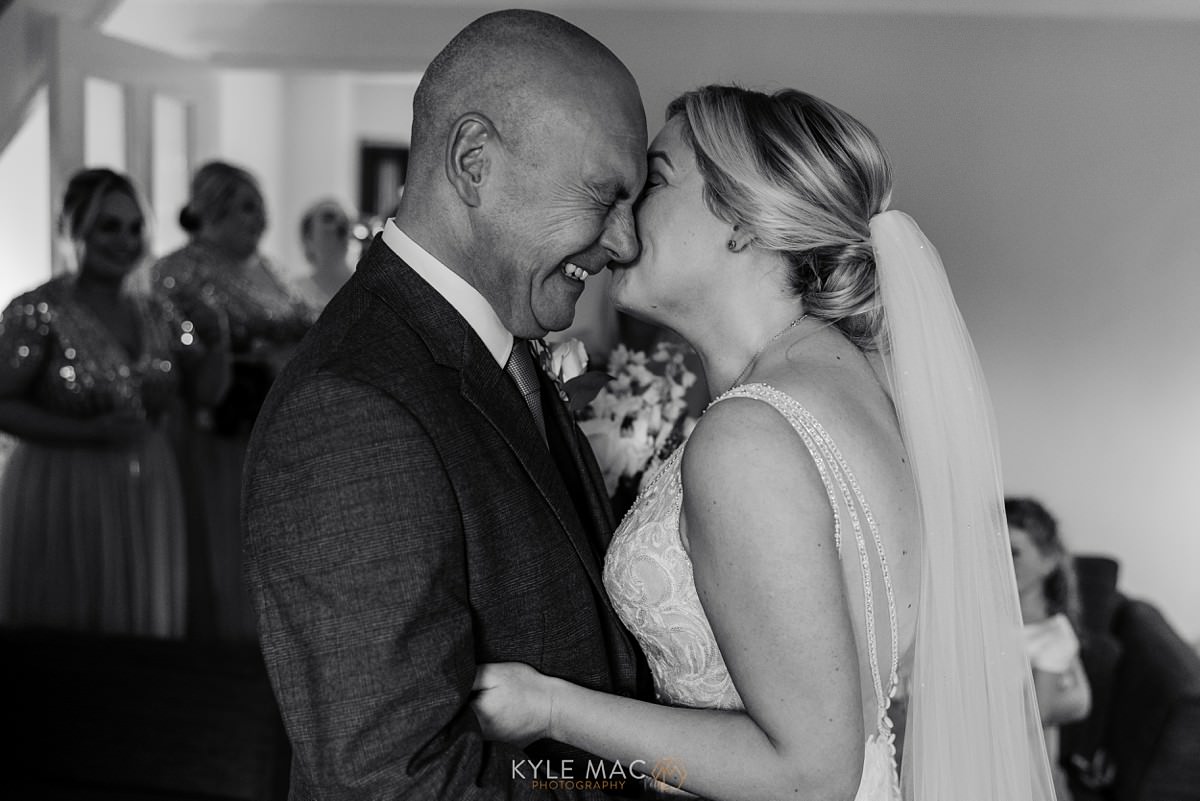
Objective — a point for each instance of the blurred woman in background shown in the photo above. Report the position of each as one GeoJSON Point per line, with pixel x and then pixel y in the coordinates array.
{"type": "Point", "coordinates": [91, 516]}
{"type": "Point", "coordinates": [326, 237]}
{"type": "Point", "coordinates": [1049, 607]}
{"type": "Point", "coordinates": [221, 265]}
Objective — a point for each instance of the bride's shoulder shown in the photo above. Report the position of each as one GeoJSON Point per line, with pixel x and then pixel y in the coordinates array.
{"type": "Point", "coordinates": [740, 440]}
{"type": "Point", "coordinates": [745, 469]}
{"type": "Point", "coordinates": [741, 414]}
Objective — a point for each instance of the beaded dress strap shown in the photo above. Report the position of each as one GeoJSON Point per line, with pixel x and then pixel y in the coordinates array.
{"type": "Point", "coordinates": [839, 480]}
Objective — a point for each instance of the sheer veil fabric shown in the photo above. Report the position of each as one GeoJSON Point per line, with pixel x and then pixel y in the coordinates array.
{"type": "Point", "coordinates": [974, 732]}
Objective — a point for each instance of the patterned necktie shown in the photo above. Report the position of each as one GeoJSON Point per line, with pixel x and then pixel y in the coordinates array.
{"type": "Point", "coordinates": [523, 372]}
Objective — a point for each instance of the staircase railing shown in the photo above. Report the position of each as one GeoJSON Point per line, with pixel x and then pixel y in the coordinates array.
{"type": "Point", "coordinates": [25, 54]}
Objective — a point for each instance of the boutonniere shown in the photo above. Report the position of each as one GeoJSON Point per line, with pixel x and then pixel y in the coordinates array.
{"type": "Point", "coordinates": [564, 360]}
{"type": "Point", "coordinates": [566, 364]}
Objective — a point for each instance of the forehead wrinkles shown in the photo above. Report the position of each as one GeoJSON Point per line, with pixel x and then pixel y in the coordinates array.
{"type": "Point", "coordinates": [521, 81]}
{"type": "Point", "coordinates": [574, 114]}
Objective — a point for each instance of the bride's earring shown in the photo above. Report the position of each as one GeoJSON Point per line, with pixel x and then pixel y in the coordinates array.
{"type": "Point", "coordinates": [739, 239]}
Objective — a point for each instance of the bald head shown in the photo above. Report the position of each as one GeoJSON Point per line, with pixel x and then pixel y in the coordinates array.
{"type": "Point", "coordinates": [520, 69]}
{"type": "Point", "coordinates": [528, 153]}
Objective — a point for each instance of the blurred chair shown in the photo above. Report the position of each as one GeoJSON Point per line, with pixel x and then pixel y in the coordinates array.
{"type": "Point", "coordinates": [1141, 741]}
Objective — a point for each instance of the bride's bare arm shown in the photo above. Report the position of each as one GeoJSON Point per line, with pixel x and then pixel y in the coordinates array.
{"type": "Point", "coordinates": [761, 540]}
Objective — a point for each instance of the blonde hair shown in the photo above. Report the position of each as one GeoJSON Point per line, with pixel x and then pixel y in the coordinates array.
{"type": "Point", "coordinates": [86, 191]}
{"type": "Point", "coordinates": [803, 178]}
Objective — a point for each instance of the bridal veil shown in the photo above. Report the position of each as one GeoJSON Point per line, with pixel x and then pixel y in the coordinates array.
{"type": "Point", "coordinates": [973, 732]}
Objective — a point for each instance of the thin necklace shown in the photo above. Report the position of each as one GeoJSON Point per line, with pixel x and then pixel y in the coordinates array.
{"type": "Point", "coordinates": [754, 359]}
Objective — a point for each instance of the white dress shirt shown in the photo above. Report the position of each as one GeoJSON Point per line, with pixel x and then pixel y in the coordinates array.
{"type": "Point", "coordinates": [465, 299]}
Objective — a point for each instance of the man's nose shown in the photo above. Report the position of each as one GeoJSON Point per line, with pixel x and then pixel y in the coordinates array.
{"type": "Point", "coordinates": [620, 236]}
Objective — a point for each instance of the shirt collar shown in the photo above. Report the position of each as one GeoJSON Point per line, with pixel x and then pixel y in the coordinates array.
{"type": "Point", "coordinates": [465, 298]}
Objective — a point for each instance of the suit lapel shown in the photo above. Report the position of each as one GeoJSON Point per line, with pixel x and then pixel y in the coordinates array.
{"type": "Point", "coordinates": [486, 387]}
{"type": "Point", "coordinates": [579, 469]}
{"type": "Point", "coordinates": [453, 343]}
{"type": "Point", "coordinates": [577, 460]}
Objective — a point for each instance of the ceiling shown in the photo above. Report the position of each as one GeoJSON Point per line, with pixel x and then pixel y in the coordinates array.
{"type": "Point", "coordinates": [403, 35]}
{"type": "Point", "coordinates": [1153, 8]}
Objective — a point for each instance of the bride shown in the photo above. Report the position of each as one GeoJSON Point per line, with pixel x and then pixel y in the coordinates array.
{"type": "Point", "coordinates": [830, 540]}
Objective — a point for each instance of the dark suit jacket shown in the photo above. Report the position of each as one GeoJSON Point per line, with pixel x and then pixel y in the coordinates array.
{"type": "Point", "coordinates": [405, 521]}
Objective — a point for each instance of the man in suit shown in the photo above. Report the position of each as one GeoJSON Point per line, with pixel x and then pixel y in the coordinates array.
{"type": "Point", "coordinates": [410, 512]}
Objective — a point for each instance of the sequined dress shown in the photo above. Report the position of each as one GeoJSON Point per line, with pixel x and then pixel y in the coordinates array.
{"type": "Point", "coordinates": [648, 576]}
{"type": "Point", "coordinates": [264, 316]}
{"type": "Point", "coordinates": [265, 320]}
{"type": "Point", "coordinates": [92, 537]}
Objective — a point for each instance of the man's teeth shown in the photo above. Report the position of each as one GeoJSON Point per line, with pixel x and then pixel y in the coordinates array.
{"type": "Point", "coordinates": [578, 273]}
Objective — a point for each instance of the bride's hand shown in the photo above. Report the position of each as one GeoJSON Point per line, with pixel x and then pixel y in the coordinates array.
{"type": "Point", "coordinates": [513, 702]}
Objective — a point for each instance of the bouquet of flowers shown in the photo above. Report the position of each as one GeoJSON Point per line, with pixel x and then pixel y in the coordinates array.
{"type": "Point", "coordinates": [638, 417]}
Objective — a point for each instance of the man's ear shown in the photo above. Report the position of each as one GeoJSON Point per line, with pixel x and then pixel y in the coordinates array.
{"type": "Point", "coordinates": [467, 156]}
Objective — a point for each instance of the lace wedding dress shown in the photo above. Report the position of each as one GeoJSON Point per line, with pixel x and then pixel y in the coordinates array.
{"type": "Point", "coordinates": [648, 575]}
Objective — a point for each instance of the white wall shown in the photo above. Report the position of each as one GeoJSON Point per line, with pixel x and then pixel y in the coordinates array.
{"type": "Point", "coordinates": [169, 170]}
{"type": "Point", "coordinates": [383, 107]}
{"type": "Point", "coordinates": [25, 221]}
{"type": "Point", "coordinates": [104, 124]}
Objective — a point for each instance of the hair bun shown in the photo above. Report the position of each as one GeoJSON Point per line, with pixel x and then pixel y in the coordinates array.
{"type": "Point", "coordinates": [838, 284]}
{"type": "Point", "coordinates": [188, 220]}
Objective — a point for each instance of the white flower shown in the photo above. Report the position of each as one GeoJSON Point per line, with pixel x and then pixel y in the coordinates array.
{"type": "Point", "coordinates": [634, 422]}
{"type": "Point", "coordinates": [568, 360]}
{"type": "Point", "coordinates": [617, 360]}
{"type": "Point", "coordinates": [616, 453]}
